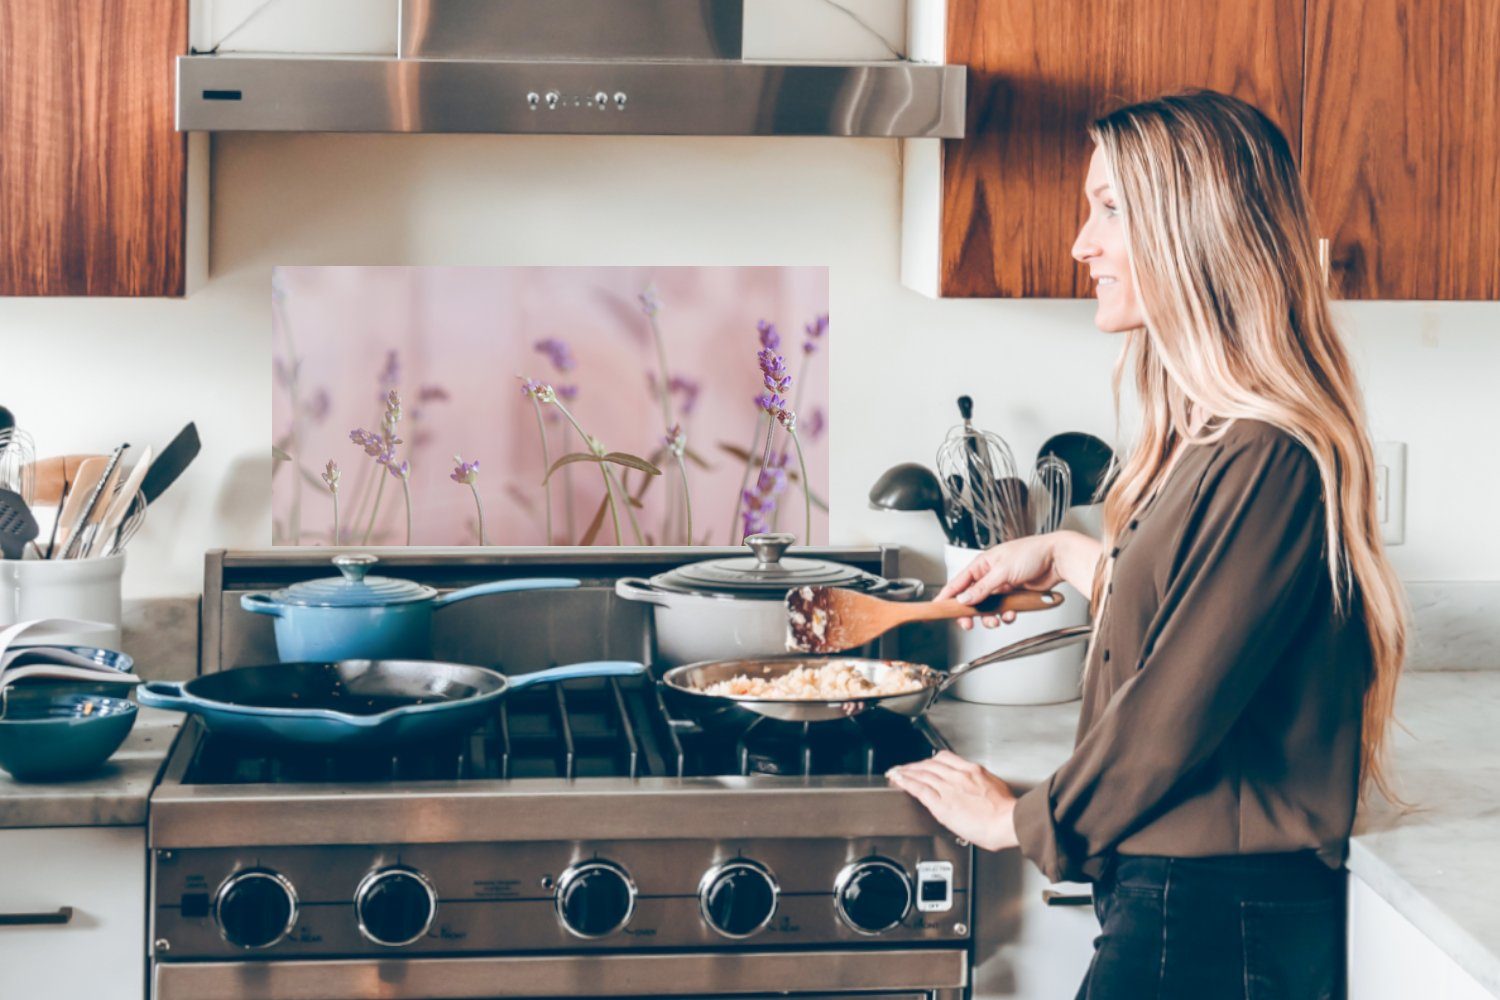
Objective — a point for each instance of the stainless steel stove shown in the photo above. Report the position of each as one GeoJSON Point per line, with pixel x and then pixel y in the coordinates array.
{"type": "Point", "coordinates": [582, 842]}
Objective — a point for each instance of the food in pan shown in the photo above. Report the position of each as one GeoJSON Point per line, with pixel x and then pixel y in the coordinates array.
{"type": "Point", "coordinates": [836, 681]}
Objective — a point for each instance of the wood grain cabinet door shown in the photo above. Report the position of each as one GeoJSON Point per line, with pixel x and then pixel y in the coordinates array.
{"type": "Point", "coordinates": [1039, 71]}
{"type": "Point", "coordinates": [1401, 141]}
{"type": "Point", "coordinates": [92, 172]}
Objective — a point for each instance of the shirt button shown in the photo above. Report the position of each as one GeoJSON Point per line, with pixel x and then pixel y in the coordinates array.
{"type": "Point", "coordinates": [1114, 551]}
{"type": "Point", "coordinates": [1134, 525]}
{"type": "Point", "coordinates": [1106, 656]}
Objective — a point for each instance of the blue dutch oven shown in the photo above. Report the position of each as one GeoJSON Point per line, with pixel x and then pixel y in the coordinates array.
{"type": "Point", "coordinates": [359, 617]}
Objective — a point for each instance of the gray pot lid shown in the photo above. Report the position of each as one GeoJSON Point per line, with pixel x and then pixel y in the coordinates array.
{"type": "Point", "coordinates": [766, 575]}
{"type": "Point", "coordinates": [352, 588]}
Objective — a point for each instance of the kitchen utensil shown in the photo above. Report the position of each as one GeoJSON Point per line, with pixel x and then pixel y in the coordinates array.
{"type": "Point", "coordinates": [174, 458]}
{"type": "Point", "coordinates": [735, 606]}
{"type": "Point", "coordinates": [831, 619]}
{"type": "Point", "coordinates": [910, 486]}
{"type": "Point", "coordinates": [1089, 460]}
{"type": "Point", "coordinates": [18, 463]}
{"type": "Point", "coordinates": [93, 507]}
{"type": "Point", "coordinates": [45, 736]}
{"type": "Point", "coordinates": [971, 461]}
{"type": "Point", "coordinates": [89, 475]}
{"type": "Point", "coordinates": [1050, 494]}
{"type": "Point", "coordinates": [120, 505]}
{"type": "Point", "coordinates": [7, 419]}
{"type": "Point", "coordinates": [685, 686]}
{"type": "Point", "coordinates": [17, 526]}
{"type": "Point", "coordinates": [960, 521]}
{"type": "Point", "coordinates": [355, 702]}
{"type": "Point", "coordinates": [359, 617]}
{"type": "Point", "coordinates": [132, 523]}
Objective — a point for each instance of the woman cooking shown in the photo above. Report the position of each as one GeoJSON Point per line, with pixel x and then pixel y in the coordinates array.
{"type": "Point", "coordinates": [1249, 630]}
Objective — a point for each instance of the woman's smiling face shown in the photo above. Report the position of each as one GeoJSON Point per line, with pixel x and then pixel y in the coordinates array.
{"type": "Point", "coordinates": [1101, 247]}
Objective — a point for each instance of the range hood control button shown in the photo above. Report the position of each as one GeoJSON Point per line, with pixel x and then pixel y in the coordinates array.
{"type": "Point", "coordinates": [738, 898]}
{"type": "Point", "coordinates": [533, 99]}
{"type": "Point", "coordinates": [595, 898]}
{"type": "Point", "coordinates": [620, 99]}
{"type": "Point", "coordinates": [873, 895]}
{"type": "Point", "coordinates": [255, 908]}
{"type": "Point", "coordinates": [553, 97]}
{"type": "Point", "coordinates": [395, 906]}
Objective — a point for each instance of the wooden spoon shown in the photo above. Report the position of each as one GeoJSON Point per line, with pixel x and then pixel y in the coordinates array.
{"type": "Point", "coordinates": [833, 619]}
{"type": "Point", "coordinates": [78, 493]}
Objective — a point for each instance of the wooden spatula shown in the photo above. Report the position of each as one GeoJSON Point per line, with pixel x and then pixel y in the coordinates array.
{"type": "Point", "coordinates": [833, 619]}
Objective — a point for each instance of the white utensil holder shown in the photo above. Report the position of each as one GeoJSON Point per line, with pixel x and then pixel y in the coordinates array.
{"type": "Point", "coordinates": [1042, 679]}
{"type": "Point", "coordinates": [83, 589]}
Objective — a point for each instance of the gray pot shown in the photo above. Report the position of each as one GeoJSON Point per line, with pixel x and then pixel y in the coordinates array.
{"type": "Point", "coordinates": [728, 608]}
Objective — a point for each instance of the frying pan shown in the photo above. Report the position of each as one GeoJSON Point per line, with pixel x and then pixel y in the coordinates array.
{"type": "Point", "coordinates": [354, 702]}
{"type": "Point", "coordinates": [685, 687]}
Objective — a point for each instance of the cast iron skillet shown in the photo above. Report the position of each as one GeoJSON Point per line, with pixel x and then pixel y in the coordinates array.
{"type": "Point", "coordinates": [354, 702]}
{"type": "Point", "coordinates": [684, 687]}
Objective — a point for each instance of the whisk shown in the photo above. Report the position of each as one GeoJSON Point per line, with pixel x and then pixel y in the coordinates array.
{"type": "Point", "coordinates": [1050, 494]}
{"type": "Point", "coordinates": [18, 463]}
{"type": "Point", "coordinates": [978, 474]}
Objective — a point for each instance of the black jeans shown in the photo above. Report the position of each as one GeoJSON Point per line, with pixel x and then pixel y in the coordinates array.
{"type": "Point", "coordinates": [1255, 926]}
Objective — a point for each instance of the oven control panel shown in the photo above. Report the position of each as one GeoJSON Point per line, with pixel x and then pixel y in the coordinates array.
{"type": "Point", "coordinates": [529, 897]}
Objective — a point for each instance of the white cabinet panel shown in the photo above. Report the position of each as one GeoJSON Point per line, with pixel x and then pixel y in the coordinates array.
{"type": "Point", "coordinates": [1390, 959]}
{"type": "Point", "coordinates": [1023, 948]}
{"type": "Point", "coordinates": [100, 953]}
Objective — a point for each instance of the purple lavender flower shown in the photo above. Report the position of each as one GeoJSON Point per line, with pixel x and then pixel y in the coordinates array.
{"type": "Point", "coordinates": [773, 371]}
{"type": "Point", "coordinates": [465, 472]}
{"type": "Point", "coordinates": [770, 339]}
{"type": "Point", "coordinates": [317, 408]}
{"type": "Point", "coordinates": [815, 424]}
{"type": "Point", "coordinates": [539, 391]}
{"type": "Point", "coordinates": [401, 471]}
{"type": "Point", "coordinates": [390, 375]}
{"type": "Point", "coordinates": [675, 440]}
{"type": "Point", "coordinates": [331, 476]}
{"type": "Point", "coordinates": [650, 302]}
{"type": "Point", "coordinates": [760, 502]}
{"type": "Point", "coordinates": [815, 331]}
{"type": "Point", "coordinates": [557, 352]}
{"type": "Point", "coordinates": [373, 444]}
{"type": "Point", "coordinates": [432, 393]}
{"type": "Point", "coordinates": [566, 393]}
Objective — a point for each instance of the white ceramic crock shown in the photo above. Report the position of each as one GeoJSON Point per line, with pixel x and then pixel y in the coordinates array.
{"type": "Point", "coordinates": [1043, 679]}
{"type": "Point", "coordinates": [87, 590]}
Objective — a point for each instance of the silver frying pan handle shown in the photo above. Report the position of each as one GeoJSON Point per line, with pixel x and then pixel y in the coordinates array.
{"type": "Point", "coordinates": [1044, 643]}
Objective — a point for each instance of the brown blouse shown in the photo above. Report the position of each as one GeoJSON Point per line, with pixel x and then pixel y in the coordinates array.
{"type": "Point", "coordinates": [1222, 699]}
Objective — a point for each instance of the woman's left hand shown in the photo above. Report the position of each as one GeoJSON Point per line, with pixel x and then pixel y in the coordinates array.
{"type": "Point", "coordinates": [962, 796]}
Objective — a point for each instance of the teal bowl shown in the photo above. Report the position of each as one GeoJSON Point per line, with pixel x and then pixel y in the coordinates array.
{"type": "Point", "coordinates": [43, 738]}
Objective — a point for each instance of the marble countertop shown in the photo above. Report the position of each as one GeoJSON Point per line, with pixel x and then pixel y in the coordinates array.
{"type": "Point", "coordinates": [116, 796]}
{"type": "Point", "coordinates": [1435, 862]}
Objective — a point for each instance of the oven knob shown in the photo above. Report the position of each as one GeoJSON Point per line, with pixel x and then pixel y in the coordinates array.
{"type": "Point", "coordinates": [872, 895]}
{"type": "Point", "coordinates": [395, 906]}
{"type": "Point", "coordinates": [595, 898]}
{"type": "Point", "coordinates": [255, 908]}
{"type": "Point", "coordinates": [738, 898]}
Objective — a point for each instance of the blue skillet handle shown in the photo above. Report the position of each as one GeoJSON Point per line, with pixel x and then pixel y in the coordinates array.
{"type": "Point", "coordinates": [261, 604]}
{"type": "Point", "coordinates": [595, 668]}
{"type": "Point", "coordinates": [164, 694]}
{"type": "Point", "coordinates": [506, 587]}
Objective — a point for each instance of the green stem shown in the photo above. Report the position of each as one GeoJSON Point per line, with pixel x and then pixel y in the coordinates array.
{"type": "Point", "coordinates": [739, 496]}
{"type": "Point", "coordinates": [293, 390]}
{"type": "Point", "coordinates": [374, 509]}
{"type": "Point", "coordinates": [406, 489]}
{"type": "Point", "coordinates": [546, 464]}
{"type": "Point", "coordinates": [480, 508]}
{"type": "Point", "coordinates": [806, 487]}
{"type": "Point", "coordinates": [335, 518]}
{"type": "Point", "coordinates": [687, 499]}
{"type": "Point", "coordinates": [635, 527]}
{"type": "Point", "coordinates": [609, 493]}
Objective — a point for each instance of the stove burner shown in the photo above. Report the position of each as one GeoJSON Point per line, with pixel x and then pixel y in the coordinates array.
{"type": "Point", "coordinates": [586, 728]}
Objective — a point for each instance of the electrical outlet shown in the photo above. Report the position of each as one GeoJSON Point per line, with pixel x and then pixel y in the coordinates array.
{"type": "Point", "coordinates": [1390, 490]}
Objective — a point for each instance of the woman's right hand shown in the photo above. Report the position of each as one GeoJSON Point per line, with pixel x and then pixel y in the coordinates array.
{"type": "Point", "coordinates": [1021, 564]}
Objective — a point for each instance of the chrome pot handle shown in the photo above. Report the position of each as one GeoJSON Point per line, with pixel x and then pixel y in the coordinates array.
{"type": "Point", "coordinates": [354, 566]}
{"type": "Point", "coordinates": [769, 547]}
{"type": "Point", "coordinates": [1046, 642]}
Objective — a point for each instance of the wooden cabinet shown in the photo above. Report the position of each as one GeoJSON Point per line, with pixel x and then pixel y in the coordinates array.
{"type": "Point", "coordinates": [97, 877]}
{"type": "Point", "coordinates": [1012, 190]}
{"type": "Point", "coordinates": [93, 176]}
{"type": "Point", "coordinates": [1391, 105]}
{"type": "Point", "coordinates": [1401, 151]}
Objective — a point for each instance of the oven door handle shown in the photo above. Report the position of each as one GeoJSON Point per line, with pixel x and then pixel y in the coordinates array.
{"type": "Point", "coordinates": [1054, 897]}
{"type": "Point", "coordinates": [63, 915]}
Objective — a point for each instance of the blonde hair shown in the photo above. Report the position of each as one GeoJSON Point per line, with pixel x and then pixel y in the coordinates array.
{"type": "Point", "coordinates": [1238, 325]}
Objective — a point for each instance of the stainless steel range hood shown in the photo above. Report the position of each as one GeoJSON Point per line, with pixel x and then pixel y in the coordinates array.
{"type": "Point", "coordinates": [585, 67]}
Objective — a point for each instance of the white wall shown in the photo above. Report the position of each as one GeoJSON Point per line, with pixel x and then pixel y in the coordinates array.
{"type": "Point", "coordinates": [87, 374]}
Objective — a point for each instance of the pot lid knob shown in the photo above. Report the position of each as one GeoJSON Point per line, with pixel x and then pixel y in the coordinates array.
{"type": "Point", "coordinates": [769, 547]}
{"type": "Point", "coordinates": [354, 567]}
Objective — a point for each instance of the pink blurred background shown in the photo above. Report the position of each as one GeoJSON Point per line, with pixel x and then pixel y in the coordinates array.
{"type": "Point", "coordinates": [462, 335]}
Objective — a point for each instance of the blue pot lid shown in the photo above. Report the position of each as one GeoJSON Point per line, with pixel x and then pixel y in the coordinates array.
{"type": "Point", "coordinates": [353, 589]}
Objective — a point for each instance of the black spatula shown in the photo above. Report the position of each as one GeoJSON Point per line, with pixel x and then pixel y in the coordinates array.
{"type": "Point", "coordinates": [17, 526]}
{"type": "Point", "coordinates": [174, 458]}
